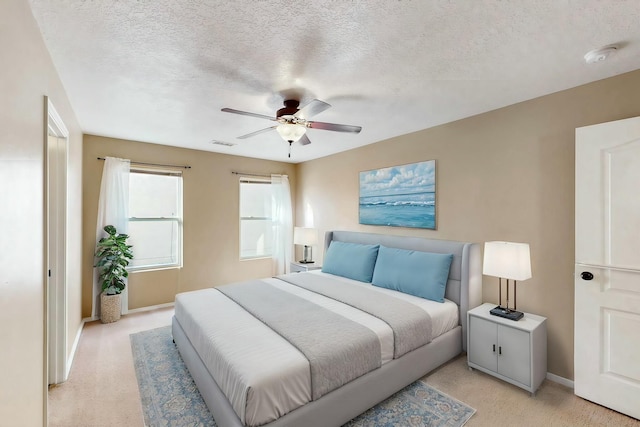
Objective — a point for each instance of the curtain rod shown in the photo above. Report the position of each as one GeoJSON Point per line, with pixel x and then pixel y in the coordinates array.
{"type": "Point", "coordinates": [255, 174]}
{"type": "Point", "coordinates": [155, 164]}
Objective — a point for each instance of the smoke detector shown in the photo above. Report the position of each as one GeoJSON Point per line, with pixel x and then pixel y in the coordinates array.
{"type": "Point", "coordinates": [600, 54]}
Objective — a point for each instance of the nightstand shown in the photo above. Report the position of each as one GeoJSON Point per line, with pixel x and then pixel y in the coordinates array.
{"type": "Point", "coordinates": [297, 267]}
{"type": "Point", "coordinates": [514, 351]}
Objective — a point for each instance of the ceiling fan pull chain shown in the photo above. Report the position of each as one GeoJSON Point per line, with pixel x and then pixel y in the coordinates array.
{"type": "Point", "coordinates": [290, 142]}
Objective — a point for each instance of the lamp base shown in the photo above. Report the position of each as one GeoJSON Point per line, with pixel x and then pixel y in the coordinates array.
{"type": "Point", "coordinates": [307, 258]}
{"type": "Point", "coordinates": [507, 313]}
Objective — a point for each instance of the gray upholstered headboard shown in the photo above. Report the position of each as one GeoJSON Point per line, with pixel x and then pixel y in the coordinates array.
{"type": "Point", "coordinates": [464, 286]}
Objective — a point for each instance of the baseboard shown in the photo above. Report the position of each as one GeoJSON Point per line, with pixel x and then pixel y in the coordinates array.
{"type": "Point", "coordinates": [76, 341]}
{"type": "Point", "coordinates": [151, 307]}
{"type": "Point", "coordinates": [135, 310]}
{"type": "Point", "coordinates": [560, 380]}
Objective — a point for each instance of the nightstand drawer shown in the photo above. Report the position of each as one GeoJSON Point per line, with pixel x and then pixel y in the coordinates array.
{"type": "Point", "coordinates": [298, 267]}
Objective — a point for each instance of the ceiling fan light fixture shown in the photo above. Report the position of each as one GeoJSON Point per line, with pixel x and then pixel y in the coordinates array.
{"type": "Point", "coordinates": [291, 132]}
{"type": "Point", "coordinates": [292, 122]}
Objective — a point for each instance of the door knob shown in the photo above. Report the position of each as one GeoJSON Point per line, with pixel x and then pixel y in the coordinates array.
{"type": "Point", "coordinates": [585, 275]}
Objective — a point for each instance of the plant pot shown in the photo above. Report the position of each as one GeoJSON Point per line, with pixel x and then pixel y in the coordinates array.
{"type": "Point", "coordinates": [110, 308]}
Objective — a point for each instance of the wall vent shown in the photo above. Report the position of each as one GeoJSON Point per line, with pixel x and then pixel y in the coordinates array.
{"type": "Point", "coordinates": [226, 144]}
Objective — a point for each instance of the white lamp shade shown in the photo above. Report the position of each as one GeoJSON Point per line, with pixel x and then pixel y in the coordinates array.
{"type": "Point", "coordinates": [507, 260]}
{"type": "Point", "coordinates": [291, 132]}
{"type": "Point", "coordinates": [305, 236]}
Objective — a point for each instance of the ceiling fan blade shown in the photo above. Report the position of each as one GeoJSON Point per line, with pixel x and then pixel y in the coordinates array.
{"type": "Point", "coordinates": [311, 109]}
{"type": "Point", "coordinates": [258, 132]}
{"type": "Point", "coordinates": [246, 113]}
{"type": "Point", "coordinates": [304, 140]}
{"type": "Point", "coordinates": [334, 127]}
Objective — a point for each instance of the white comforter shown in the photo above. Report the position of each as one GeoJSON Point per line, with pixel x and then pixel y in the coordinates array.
{"type": "Point", "coordinates": [263, 385]}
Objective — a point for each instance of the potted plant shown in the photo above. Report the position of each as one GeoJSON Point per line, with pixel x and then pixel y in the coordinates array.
{"type": "Point", "coordinates": [113, 255]}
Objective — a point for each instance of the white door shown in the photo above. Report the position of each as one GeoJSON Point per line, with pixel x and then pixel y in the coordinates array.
{"type": "Point", "coordinates": [56, 294]}
{"type": "Point", "coordinates": [607, 270]}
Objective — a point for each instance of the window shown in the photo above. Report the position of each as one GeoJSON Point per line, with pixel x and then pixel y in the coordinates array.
{"type": "Point", "coordinates": [155, 222]}
{"type": "Point", "coordinates": [256, 228]}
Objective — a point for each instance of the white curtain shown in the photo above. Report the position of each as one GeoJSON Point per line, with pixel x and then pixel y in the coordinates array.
{"type": "Point", "coordinates": [113, 209]}
{"type": "Point", "coordinates": [282, 223]}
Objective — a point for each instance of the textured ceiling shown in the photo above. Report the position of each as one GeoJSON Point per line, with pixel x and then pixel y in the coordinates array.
{"type": "Point", "coordinates": [160, 70]}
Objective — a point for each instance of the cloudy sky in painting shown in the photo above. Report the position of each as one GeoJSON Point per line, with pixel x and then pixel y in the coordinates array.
{"type": "Point", "coordinates": [405, 179]}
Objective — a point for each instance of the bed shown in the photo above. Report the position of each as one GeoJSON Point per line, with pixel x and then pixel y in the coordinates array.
{"type": "Point", "coordinates": [319, 348]}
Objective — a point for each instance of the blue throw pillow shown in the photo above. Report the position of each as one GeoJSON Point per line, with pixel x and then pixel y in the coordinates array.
{"type": "Point", "coordinates": [351, 260]}
{"type": "Point", "coordinates": [423, 274]}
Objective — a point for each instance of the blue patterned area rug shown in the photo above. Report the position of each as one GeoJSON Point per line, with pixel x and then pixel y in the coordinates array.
{"type": "Point", "coordinates": [170, 398]}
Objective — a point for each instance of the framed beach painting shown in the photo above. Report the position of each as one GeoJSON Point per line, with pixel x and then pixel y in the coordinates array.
{"type": "Point", "coordinates": [399, 196]}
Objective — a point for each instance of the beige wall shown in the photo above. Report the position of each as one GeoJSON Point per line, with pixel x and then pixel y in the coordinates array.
{"type": "Point", "coordinates": [26, 76]}
{"type": "Point", "coordinates": [211, 219]}
{"type": "Point", "coordinates": [503, 175]}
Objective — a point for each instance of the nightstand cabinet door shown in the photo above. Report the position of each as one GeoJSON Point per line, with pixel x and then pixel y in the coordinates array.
{"type": "Point", "coordinates": [298, 268]}
{"type": "Point", "coordinates": [482, 343]}
{"type": "Point", "coordinates": [514, 354]}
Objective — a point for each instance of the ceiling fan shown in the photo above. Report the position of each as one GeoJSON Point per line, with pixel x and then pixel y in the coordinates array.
{"type": "Point", "coordinates": [293, 122]}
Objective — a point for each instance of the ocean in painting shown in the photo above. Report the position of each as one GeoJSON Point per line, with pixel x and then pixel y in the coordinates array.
{"type": "Point", "coordinates": [399, 196]}
{"type": "Point", "coordinates": [416, 210]}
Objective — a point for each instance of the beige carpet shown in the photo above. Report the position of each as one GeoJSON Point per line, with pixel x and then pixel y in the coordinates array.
{"type": "Point", "coordinates": [502, 404]}
{"type": "Point", "coordinates": [102, 389]}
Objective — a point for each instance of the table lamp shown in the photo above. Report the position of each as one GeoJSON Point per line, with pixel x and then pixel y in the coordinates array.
{"type": "Point", "coordinates": [510, 261]}
{"type": "Point", "coordinates": [306, 237]}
